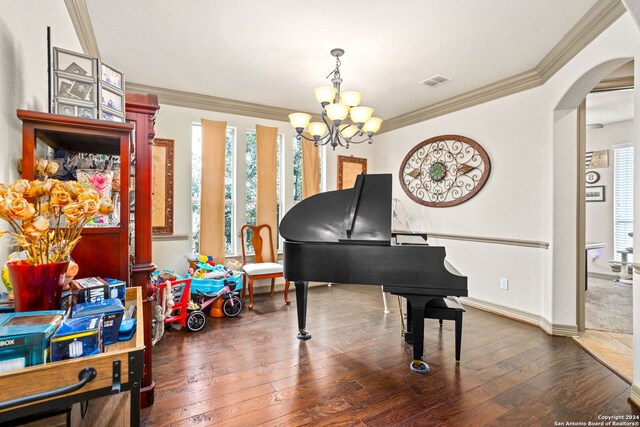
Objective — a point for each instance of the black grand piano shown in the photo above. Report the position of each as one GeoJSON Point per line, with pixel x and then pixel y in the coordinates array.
{"type": "Point", "coordinates": [344, 236]}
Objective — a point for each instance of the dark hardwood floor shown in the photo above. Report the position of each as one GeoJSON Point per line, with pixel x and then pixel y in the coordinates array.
{"type": "Point", "coordinates": [251, 370]}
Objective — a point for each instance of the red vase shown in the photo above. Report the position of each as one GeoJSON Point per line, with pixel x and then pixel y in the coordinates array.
{"type": "Point", "coordinates": [37, 287]}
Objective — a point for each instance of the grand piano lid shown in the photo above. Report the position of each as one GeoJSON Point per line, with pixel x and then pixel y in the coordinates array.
{"type": "Point", "coordinates": [361, 214]}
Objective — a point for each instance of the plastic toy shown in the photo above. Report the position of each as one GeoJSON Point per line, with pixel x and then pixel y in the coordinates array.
{"type": "Point", "coordinates": [179, 309]}
{"type": "Point", "coordinates": [232, 305]}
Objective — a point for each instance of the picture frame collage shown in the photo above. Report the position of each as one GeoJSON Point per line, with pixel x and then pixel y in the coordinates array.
{"type": "Point", "coordinates": [86, 87]}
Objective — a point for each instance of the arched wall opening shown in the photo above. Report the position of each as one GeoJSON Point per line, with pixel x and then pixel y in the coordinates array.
{"type": "Point", "coordinates": [568, 242]}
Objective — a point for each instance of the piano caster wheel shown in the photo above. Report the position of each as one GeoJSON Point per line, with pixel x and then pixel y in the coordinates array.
{"type": "Point", "coordinates": [304, 336]}
{"type": "Point", "coordinates": [419, 366]}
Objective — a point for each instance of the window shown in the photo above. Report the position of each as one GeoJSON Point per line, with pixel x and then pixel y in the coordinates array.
{"type": "Point", "coordinates": [622, 199]}
{"type": "Point", "coordinates": [196, 179]}
{"type": "Point", "coordinates": [252, 182]}
{"type": "Point", "coordinates": [297, 170]}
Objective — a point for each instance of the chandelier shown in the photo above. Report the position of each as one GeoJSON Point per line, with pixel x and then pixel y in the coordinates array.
{"type": "Point", "coordinates": [344, 121]}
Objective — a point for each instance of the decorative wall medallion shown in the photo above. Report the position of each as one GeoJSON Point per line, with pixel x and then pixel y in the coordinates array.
{"type": "Point", "coordinates": [592, 177]}
{"type": "Point", "coordinates": [444, 171]}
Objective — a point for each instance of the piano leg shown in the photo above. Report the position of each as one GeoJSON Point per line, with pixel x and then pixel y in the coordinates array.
{"type": "Point", "coordinates": [415, 308]}
{"type": "Point", "coordinates": [301, 305]}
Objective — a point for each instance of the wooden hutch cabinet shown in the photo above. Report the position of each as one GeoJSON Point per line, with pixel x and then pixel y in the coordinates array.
{"type": "Point", "coordinates": [102, 251]}
{"type": "Point", "coordinates": [124, 251]}
{"type": "Point", "coordinates": [141, 109]}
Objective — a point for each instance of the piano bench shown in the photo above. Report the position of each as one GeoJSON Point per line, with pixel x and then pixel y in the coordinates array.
{"type": "Point", "coordinates": [447, 309]}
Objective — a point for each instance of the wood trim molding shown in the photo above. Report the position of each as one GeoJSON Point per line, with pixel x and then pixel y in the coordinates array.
{"type": "Point", "coordinates": [596, 20]}
{"type": "Point", "coordinates": [522, 316]}
{"type": "Point", "coordinates": [619, 83]}
{"type": "Point", "coordinates": [634, 397]}
{"type": "Point", "coordinates": [172, 237]}
{"type": "Point", "coordinates": [214, 103]}
{"type": "Point", "coordinates": [84, 29]}
{"type": "Point", "coordinates": [493, 240]}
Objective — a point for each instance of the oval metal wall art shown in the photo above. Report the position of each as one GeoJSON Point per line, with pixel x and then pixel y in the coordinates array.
{"type": "Point", "coordinates": [444, 171]}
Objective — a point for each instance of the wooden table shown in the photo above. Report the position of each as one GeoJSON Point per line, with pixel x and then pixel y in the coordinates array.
{"type": "Point", "coordinates": [118, 369]}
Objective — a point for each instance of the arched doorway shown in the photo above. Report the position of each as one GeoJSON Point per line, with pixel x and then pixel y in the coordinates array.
{"type": "Point", "coordinates": [569, 271]}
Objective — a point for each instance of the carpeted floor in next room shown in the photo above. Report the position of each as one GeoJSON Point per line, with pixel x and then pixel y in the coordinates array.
{"type": "Point", "coordinates": [608, 306]}
{"type": "Point", "coordinates": [609, 329]}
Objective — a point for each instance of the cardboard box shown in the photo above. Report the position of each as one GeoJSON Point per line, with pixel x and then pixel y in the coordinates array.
{"type": "Point", "coordinates": [89, 289]}
{"type": "Point", "coordinates": [78, 337]}
{"type": "Point", "coordinates": [117, 289]}
{"type": "Point", "coordinates": [24, 338]}
{"type": "Point", "coordinates": [111, 308]}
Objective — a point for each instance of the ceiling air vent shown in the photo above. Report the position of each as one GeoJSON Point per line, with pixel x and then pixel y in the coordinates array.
{"type": "Point", "coordinates": [436, 80]}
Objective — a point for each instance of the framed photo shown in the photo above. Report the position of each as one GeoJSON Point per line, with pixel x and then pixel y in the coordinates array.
{"type": "Point", "coordinates": [592, 177]}
{"type": "Point", "coordinates": [111, 77]}
{"type": "Point", "coordinates": [74, 64]}
{"type": "Point", "coordinates": [111, 100]}
{"type": "Point", "coordinates": [595, 193]}
{"type": "Point", "coordinates": [111, 117]}
{"type": "Point", "coordinates": [597, 159]}
{"type": "Point", "coordinates": [348, 169]}
{"type": "Point", "coordinates": [66, 109]}
{"type": "Point", "coordinates": [78, 90]}
{"type": "Point", "coordinates": [162, 186]}
{"type": "Point", "coordinates": [86, 112]}
{"type": "Point", "coordinates": [83, 91]}
{"type": "Point", "coordinates": [69, 108]}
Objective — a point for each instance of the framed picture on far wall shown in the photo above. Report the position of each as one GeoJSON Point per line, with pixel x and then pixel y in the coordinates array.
{"type": "Point", "coordinates": [595, 193]}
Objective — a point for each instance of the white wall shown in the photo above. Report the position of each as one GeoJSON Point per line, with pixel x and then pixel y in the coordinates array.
{"type": "Point", "coordinates": [23, 70]}
{"type": "Point", "coordinates": [518, 200]}
{"type": "Point", "coordinates": [599, 215]}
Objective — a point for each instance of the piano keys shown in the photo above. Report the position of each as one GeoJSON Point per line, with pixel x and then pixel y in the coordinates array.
{"type": "Point", "coordinates": [344, 236]}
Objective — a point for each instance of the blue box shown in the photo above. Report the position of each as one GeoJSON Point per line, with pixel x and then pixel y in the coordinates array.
{"type": "Point", "coordinates": [78, 337]}
{"type": "Point", "coordinates": [117, 289]}
{"type": "Point", "coordinates": [111, 308]}
{"type": "Point", "coordinates": [212, 286]}
{"type": "Point", "coordinates": [24, 337]}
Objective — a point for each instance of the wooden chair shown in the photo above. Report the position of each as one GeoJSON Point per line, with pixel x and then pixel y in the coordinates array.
{"type": "Point", "coordinates": [259, 269]}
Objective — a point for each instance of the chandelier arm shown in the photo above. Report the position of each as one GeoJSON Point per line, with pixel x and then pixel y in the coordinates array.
{"type": "Point", "coordinates": [367, 139]}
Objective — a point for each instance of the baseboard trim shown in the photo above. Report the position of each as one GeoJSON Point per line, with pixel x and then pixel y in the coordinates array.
{"type": "Point", "coordinates": [604, 276]}
{"type": "Point", "coordinates": [522, 316]}
{"type": "Point", "coordinates": [634, 397]}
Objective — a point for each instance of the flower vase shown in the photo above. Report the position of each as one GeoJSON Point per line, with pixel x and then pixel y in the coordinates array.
{"type": "Point", "coordinates": [37, 287]}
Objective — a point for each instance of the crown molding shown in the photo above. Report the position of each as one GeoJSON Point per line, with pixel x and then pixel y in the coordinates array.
{"type": "Point", "coordinates": [618, 83]}
{"type": "Point", "coordinates": [595, 21]}
{"type": "Point", "coordinates": [214, 103]}
{"type": "Point", "coordinates": [508, 86]}
{"type": "Point", "coordinates": [84, 29]}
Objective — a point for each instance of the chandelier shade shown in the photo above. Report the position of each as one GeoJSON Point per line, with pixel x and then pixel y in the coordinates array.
{"type": "Point", "coordinates": [317, 129]}
{"type": "Point", "coordinates": [351, 98]}
{"type": "Point", "coordinates": [343, 119]}
{"type": "Point", "coordinates": [299, 120]}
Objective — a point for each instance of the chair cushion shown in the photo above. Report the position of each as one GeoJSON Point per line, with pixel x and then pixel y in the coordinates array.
{"type": "Point", "coordinates": [262, 268]}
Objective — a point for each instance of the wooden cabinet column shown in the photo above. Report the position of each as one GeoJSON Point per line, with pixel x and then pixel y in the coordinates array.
{"type": "Point", "coordinates": [142, 109]}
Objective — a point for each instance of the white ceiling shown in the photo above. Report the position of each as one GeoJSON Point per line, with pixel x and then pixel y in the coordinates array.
{"type": "Point", "coordinates": [610, 107]}
{"type": "Point", "coordinates": [275, 52]}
